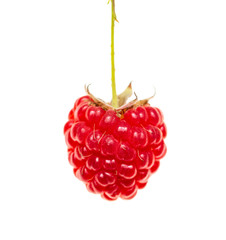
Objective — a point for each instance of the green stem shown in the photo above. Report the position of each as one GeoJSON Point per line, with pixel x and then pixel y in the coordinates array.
{"type": "Point", "coordinates": [113, 85]}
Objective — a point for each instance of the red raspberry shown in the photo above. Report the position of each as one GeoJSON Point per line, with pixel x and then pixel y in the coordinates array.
{"type": "Point", "coordinates": [114, 152]}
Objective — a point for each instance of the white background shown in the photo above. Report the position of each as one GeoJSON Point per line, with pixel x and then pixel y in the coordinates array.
{"type": "Point", "coordinates": [48, 51]}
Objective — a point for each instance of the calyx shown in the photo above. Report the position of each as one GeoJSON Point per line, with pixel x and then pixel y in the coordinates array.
{"type": "Point", "coordinates": [122, 100]}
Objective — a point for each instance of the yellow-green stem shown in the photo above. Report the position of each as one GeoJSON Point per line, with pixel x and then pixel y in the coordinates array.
{"type": "Point", "coordinates": [113, 85]}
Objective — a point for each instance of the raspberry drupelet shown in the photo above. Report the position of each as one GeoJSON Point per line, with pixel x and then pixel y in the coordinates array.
{"type": "Point", "coordinates": [114, 152]}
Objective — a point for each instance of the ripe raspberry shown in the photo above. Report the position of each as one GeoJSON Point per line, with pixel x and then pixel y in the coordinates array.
{"type": "Point", "coordinates": [114, 152]}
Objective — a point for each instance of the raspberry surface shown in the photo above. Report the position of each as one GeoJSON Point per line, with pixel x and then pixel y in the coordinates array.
{"type": "Point", "coordinates": [114, 155]}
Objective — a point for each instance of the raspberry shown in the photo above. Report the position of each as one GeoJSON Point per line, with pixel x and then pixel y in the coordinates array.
{"type": "Point", "coordinates": [114, 151]}
{"type": "Point", "coordinates": [114, 147]}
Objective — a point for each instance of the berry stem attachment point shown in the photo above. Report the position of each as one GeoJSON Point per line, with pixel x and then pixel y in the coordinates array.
{"type": "Point", "coordinates": [113, 85]}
